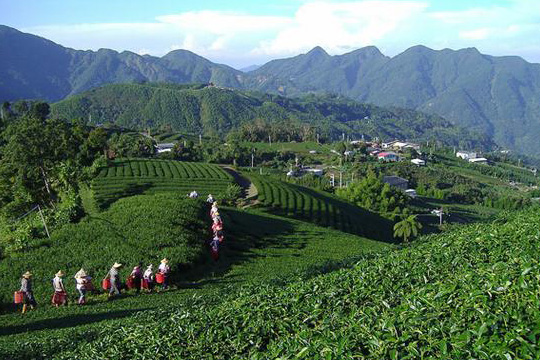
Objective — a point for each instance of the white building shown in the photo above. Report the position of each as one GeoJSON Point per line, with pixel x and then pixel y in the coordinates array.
{"type": "Point", "coordinates": [316, 172]}
{"type": "Point", "coordinates": [165, 147]}
{"type": "Point", "coordinates": [480, 160]}
{"type": "Point", "coordinates": [465, 155]}
{"type": "Point", "coordinates": [418, 162]}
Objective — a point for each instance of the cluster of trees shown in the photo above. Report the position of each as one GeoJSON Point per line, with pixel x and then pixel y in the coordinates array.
{"type": "Point", "coordinates": [281, 131]}
{"type": "Point", "coordinates": [370, 192]}
{"type": "Point", "coordinates": [44, 161]}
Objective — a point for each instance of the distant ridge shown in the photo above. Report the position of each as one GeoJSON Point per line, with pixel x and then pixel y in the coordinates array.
{"type": "Point", "coordinates": [497, 96]}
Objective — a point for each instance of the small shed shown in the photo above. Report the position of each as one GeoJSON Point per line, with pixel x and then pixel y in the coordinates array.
{"type": "Point", "coordinates": [164, 147]}
{"type": "Point", "coordinates": [418, 162]}
{"type": "Point", "coordinates": [397, 182]}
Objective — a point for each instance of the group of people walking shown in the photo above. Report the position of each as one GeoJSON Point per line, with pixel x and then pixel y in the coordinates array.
{"type": "Point", "coordinates": [112, 284]}
{"type": "Point", "coordinates": [137, 280]}
{"type": "Point", "coordinates": [217, 228]}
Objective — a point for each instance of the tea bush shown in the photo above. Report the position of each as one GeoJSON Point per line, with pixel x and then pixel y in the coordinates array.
{"type": "Point", "coordinates": [126, 177]}
{"type": "Point", "coordinates": [469, 293]}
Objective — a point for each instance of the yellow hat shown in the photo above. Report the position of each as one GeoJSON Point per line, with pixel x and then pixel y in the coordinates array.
{"type": "Point", "coordinates": [165, 260]}
{"type": "Point", "coordinates": [116, 265]}
{"type": "Point", "coordinates": [80, 274]}
{"type": "Point", "coordinates": [60, 273]}
{"type": "Point", "coordinates": [27, 274]}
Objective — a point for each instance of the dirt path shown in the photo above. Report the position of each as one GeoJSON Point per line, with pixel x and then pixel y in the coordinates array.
{"type": "Point", "coordinates": [249, 191]}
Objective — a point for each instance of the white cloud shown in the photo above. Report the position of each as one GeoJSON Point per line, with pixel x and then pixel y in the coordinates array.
{"type": "Point", "coordinates": [338, 27]}
{"type": "Point", "coordinates": [477, 34]}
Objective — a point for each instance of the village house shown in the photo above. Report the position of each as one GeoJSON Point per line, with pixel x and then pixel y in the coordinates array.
{"type": "Point", "coordinates": [397, 182]}
{"type": "Point", "coordinates": [479, 160]}
{"type": "Point", "coordinates": [387, 156]}
{"type": "Point", "coordinates": [466, 155]}
{"type": "Point", "coordinates": [164, 147]}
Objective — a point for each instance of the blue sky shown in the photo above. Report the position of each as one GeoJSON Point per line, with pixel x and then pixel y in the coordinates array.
{"type": "Point", "coordinates": [241, 33]}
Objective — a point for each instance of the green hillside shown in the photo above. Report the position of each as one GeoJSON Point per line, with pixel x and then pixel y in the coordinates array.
{"type": "Point", "coordinates": [258, 248]}
{"type": "Point", "coordinates": [126, 177]}
{"type": "Point", "coordinates": [320, 208]}
{"type": "Point", "coordinates": [100, 240]}
{"type": "Point", "coordinates": [215, 111]}
{"type": "Point", "coordinates": [493, 95]}
{"type": "Point", "coordinates": [469, 293]}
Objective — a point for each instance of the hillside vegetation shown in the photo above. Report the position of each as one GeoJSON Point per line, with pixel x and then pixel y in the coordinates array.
{"type": "Point", "coordinates": [126, 177]}
{"type": "Point", "coordinates": [469, 293]}
{"type": "Point", "coordinates": [320, 208]}
{"type": "Point", "coordinates": [494, 95]}
{"type": "Point", "coordinates": [132, 230]}
{"type": "Point", "coordinates": [215, 112]}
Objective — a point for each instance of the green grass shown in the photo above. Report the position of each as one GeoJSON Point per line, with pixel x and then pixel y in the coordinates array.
{"type": "Point", "coordinates": [259, 248]}
{"type": "Point", "coordinates": [126, 177]}
{"type": "Point", "coordinates": [143, 228]}
{"type": "Point", "coordinates": [469, 293]}
{"type": "Point", "coordinates": [320, 208]}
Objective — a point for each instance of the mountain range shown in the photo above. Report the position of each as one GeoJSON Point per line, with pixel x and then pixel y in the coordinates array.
{"type": "Point", "coordinates": [498, 96]}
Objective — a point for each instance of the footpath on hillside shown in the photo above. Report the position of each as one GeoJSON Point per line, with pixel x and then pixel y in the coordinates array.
{"type": "Point", "coordinates": [249, 190]}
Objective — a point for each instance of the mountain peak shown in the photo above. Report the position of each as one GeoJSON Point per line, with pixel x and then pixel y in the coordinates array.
{"type": "Point", "coordinates": [317, 51]}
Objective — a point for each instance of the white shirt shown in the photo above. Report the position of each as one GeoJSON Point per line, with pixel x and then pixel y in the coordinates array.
{"type": "Point", "coordinates": [148, 274]}
{"type": "Point", "coordinates": [164, 268]}
{"type": "Point", "coordinates": [57, 284]}
{"type": "Point", "coordinates": [81, 282]}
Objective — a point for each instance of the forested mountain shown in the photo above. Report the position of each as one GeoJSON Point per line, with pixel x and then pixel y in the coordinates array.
{"type": "Point", "coordinates": [215, 111]}
{"type": "Point", "coordinates": [497, 96]}
{"type": "Point", "coordinates": [35, 68]}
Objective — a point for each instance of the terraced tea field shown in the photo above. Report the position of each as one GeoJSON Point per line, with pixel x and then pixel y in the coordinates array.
{"type": "Point", "coordinates": [126, 177]}
{"type": "Point", "coordinates": [283, 198]}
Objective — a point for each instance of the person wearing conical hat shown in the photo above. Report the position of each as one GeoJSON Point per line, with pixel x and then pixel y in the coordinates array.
{"type": "Point", "coordinates": [213, 210]}
{"type": "Point", "coordinates": [114, 276]}
{"type": "Point", "coordinates": [59, 297]}
{"type": "Point", "coordinates": [136, 275]}
{"type": "Point", "coordinates": [83, 284]}
{"type": "Point", "coordinates": [148, 278]}
{"type": "Point", "coordinates": [26, 288]}
{"type": "Point", "coordinates": [165, 270]}
{"type": "Point", "coordinates": [210, 199]}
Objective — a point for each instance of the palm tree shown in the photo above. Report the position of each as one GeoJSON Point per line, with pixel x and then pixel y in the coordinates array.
{"type": "Point", "coordinates": [407, 227]}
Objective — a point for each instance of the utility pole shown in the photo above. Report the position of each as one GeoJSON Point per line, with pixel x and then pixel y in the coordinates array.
{"type": "Point", "coordinates": [318, 138]}
{"type": "Point", "coordinates": [252, 159]}
{"type": "Point", "coordinates": [269, 140]}
{"type": "Point", "coordinates": [440, 216]}
{"type": "Point", "coordinates": [340, 178]}
{"type": "Point", "coordinates": [43, 220]}
{"type": "Point", "coordinates": [200, 139]}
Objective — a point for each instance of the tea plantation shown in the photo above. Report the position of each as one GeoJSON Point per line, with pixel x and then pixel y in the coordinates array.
{"type": "Point", "coordinates": [471, 293]}
{"type": "Point", "coordinates": [133, 229]}
{"type": "Point", "coordinates": [126, 177]}
{"type": "Point", "coordinates": [321, 208]}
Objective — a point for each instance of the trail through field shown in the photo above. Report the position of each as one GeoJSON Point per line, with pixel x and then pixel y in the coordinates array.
{"type": "Point", "coordinates": [249, 190]}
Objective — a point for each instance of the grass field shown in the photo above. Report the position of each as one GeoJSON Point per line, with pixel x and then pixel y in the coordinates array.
{"type": "Point", "coordinates": [143, 228]}
{"type": "Point", "coordinates": [320, 208]}
{"type": "Point", "coordinates": [468, 293]}
{"type": "Point", "coordinates": [126, 177]}
{"type": "Point", "coordinates": [259, 248]}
